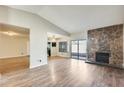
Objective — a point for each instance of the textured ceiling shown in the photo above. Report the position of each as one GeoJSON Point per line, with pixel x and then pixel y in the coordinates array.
{"type": "Point", "coordinates": [78, 18]}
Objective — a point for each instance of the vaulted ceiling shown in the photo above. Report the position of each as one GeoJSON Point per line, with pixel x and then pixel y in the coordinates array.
{"type": "Point", "coordinates": [75, 18]}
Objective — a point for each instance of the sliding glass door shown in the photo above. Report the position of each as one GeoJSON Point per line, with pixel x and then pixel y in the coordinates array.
{"type": "Point", "coordinates": [82, 49]}
{"type": "Point", "coordinates": [74, 49]}
{"type": "Point", "coordinates": [78, 49]}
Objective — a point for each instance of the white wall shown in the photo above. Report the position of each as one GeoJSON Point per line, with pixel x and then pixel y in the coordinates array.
{"type": "Point", "coordinates": [79, 35]}
{"type": "Point", "coordinates": [53, 50]}
{"type": "Point", "coordinates": [38, 32]}
{"type": "Point", "coordinates": [11, 46]}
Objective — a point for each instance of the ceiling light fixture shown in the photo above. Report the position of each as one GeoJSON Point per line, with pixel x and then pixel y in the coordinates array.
{"type": "Point", "coordinates": [53, 38]}
{"type": "Point", "coordinates": [10, 33]}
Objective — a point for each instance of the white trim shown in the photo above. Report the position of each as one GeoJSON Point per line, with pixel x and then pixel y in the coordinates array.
{"type": "Point", "coordinates": [31, 67]}
{"type": "Point", "coordinates": [13, 56]}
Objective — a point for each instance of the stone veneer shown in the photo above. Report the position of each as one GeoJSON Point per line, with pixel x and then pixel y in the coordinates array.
{"type": "Point", "coordinates": [107, 39]}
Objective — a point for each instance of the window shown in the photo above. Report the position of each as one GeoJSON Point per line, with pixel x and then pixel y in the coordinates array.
{"type": "Point", "coordinates": [62, 46]}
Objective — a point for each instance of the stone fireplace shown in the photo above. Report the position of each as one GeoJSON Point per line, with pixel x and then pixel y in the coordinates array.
{"type": "Point", "coordinates": [106, 45]}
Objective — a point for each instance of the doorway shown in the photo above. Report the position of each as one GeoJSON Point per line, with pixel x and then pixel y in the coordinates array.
{"type": "Point", "coordinates": [14, 48]}
{"type": "Point", "coordinates": [49, 49]}
{"type": "Point", "coordinates": [78, 49]}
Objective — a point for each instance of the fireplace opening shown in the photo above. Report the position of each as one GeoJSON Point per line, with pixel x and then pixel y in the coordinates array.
{"type": "Point", "coordinates": [102, 57]}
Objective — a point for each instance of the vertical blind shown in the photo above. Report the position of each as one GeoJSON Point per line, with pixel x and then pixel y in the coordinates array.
{"type": "Point", "coordinates": [62, 46]}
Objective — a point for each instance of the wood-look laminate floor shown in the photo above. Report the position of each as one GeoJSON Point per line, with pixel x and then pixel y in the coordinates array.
{"type": "Point", "coordinates": [62, 72]}
{"type": "Point", "coordinates": [13, 64]}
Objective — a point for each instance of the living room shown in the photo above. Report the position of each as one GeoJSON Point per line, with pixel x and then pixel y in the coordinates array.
{"type": "Point", "coordinates": [86, 44]}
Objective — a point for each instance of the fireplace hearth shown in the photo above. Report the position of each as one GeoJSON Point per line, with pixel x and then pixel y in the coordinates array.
{"type": "Point", "coordinates": [102, 57]}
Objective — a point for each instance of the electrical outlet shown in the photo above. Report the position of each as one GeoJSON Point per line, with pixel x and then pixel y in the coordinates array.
{"type": "Point", "coordinates": [40, 60]}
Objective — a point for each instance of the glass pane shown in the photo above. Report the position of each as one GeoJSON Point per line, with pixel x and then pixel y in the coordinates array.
{"type": "Point", "coordinates": [74, 48]}
{"type": "Point", "coordinates": [62, 46]}
{"type": "Point", "coordinates": [82, 46]}
{"type": "Point", "coordinates": [82, 49]}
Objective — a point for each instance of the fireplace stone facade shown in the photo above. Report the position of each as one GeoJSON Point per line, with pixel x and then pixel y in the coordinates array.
{"type": "Point", "coordinates": [107, 40]}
